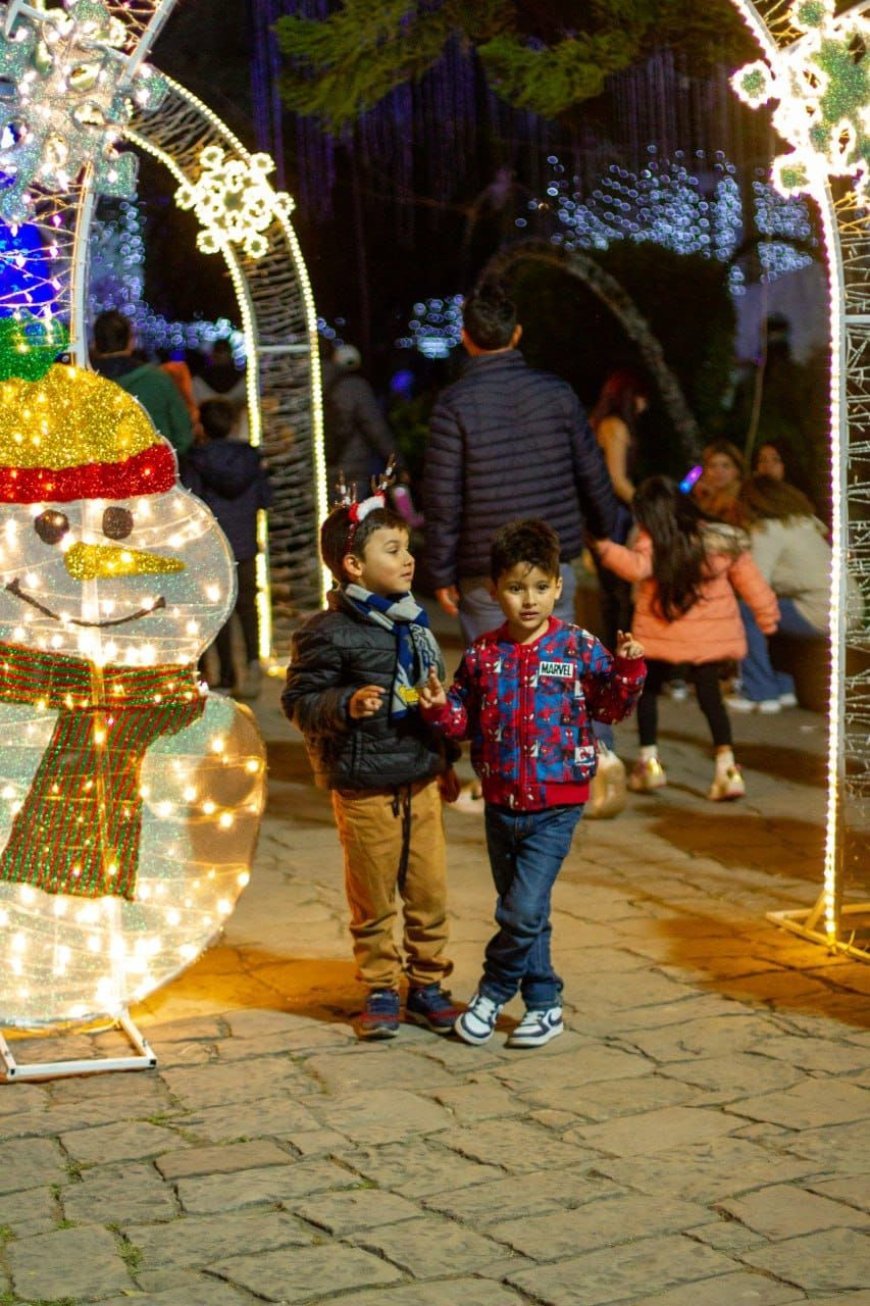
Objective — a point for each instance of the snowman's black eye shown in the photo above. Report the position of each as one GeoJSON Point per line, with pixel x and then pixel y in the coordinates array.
{"type": "Point", "coordinates": [117, 523]}
{"type": "Point", "coordinates": [51, 525]}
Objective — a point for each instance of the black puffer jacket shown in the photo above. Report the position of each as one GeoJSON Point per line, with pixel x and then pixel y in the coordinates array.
{"type": "Point", "coordinates": [334, 654]}
{"type": "Point", "coordinates": [508, 441]}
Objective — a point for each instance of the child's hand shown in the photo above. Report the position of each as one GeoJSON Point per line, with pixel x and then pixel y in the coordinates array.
{"type": "Point", "coordinates": [432, 692]}
{"type": "Point", "coordinates": [365, 702]}
{"type": "Point", "coordinates": [627, 646]}
{"type": "Point", "coordinates": [449, 785]}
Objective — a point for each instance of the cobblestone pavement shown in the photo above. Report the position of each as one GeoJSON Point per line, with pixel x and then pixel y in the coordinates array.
{"type": "Point", "coordinates": [698, 1137]}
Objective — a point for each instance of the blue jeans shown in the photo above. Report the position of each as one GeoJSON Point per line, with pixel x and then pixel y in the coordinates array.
{"type": "Point", "coordinates": [479, 612]}
{"type": "Point", "coordinates": [760, 680]}
{"type": "Point", "coordinates": [526, 852]}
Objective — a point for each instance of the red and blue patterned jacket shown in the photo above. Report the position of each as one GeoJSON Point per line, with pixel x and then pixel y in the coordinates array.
{"type": "Point", "coordinates": [528, 711]}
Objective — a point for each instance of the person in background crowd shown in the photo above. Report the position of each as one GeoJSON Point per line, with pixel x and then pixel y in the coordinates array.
{"type": "Point", "coordinates": [506, 441]}
{"type": "Point", "coordinates": [231, 479]}
{"type": "Point", "coordinates": [221, 379]}
{"type": "Point", "coordinates": [114, 358]}
{"type": "Point", "coordinates": [358, 443]}
{"type": "Point", "coordinates": [689, 572]}
{"type": "Point", "coordinates": [791, 552]}
{"type": "Point", "coordinates": [717, 490]}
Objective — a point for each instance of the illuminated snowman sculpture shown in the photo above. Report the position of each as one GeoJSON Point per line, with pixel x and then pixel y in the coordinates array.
{"type": "Point", "coordinates": [129, 798]}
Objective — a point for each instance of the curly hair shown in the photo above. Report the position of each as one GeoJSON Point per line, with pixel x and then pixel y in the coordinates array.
{"type": "Point", "coordinates": [531, 541]}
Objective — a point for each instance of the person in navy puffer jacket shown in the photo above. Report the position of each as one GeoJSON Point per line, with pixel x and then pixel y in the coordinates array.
{"type": "Point", "coordinates": [506, 441]}
{"type": "Point", "coordinates": [232, 480]}
{"type": "Point", "coordinates": [526, 695]}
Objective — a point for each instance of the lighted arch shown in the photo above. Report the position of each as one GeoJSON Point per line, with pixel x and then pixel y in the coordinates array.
{"type": "Point", "coordinates": [830, 161]}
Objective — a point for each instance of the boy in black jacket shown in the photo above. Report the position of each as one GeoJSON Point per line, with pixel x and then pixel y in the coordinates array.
{"type": "Point", "coordinates": [352, 691]}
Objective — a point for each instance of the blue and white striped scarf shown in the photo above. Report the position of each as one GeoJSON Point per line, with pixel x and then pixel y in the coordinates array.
{"type": "Point", "coordinates": [416, 647]}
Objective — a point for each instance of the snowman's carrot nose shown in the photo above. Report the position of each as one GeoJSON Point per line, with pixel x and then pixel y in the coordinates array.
{"type": "Point", "coordinates": [92, 561]}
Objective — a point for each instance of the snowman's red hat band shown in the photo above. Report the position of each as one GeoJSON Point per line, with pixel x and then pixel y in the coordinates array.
{"type": "Point", "coordinates": [153, 471]}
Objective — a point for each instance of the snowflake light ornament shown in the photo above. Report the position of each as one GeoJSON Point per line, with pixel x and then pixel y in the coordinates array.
{"type": "Point", "coordinates": [822, 83]}
{"type": "Point", "coordinates": [234, 202]}
{"type": "Point", "coordinates": [71, 94]}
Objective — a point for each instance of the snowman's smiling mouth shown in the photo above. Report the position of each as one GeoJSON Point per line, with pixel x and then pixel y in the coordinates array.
{"type": "Point", "coordinates": [14, 587]}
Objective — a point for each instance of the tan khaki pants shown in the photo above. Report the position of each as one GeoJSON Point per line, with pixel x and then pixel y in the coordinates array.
{"type": "Point", "coordinates": [376, 869]}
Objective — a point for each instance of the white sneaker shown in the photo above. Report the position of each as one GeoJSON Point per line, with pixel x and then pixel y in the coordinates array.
{"type": "Point", "coordinates": [788, 700]}
{"type": "Point", "coordinates": [607, 788]}
{"type": "Point", "coordinates": [646, 774]}
{"type": "Point", "coordinates": [537, 1028]}
{"type": "Point", "coordinates": [766, 706]}
{"type": "Point", "coordinates": [477, 1023]}
{"type": "Point", "coordinates": [727, 785]}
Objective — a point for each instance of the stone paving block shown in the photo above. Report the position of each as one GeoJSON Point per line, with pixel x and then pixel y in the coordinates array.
{"type": "Point", "coordinates": [82, 1263]}
{"type": "Point", "coordinates": [727, 1236]}
{"type": "Point", "coordinates": [479, 1101]}
{"type": "Point", "coordinates": [382, 1116]}
{"type": "Point", "coordinates": [741, 1289]}
{"type": "Point", "coordinates": [504, 1199]}
{"type": "Point", "coordinates": [706, 1172]}
{"type": "Point", "coordinates": [810, 1103]}
{"type": "Point", "coordinates": [516, 1146]}
{"type": "Point", "coordinates": [830, 1261]}
{"type": "Point", "coordinates": [787, 1211]}
{"type": "Point", "coordinates": [317, 1142]}
{"type": "Point", "coordinates": [222, 1160]}
{"type": "Point", "coordinates": [450, 1292]}
{"type": "Point", "coordinates": [416, 1169]}
{"type": "Point", "coordinates": [192, 1029]}
{"type": "Point", "coordinates": [118, 1194]}
{"type": "Point", "coordinates": [195, 1242]}
{"type": "Point", "coordinates": [585, 1065]}
{"type": "Point", "coordinates": [30, 1164]}
{"type": "Point", "coordinates": [214, 1193]}
{"type": "Point", "coordinates": [739, 1075]}
{"type": "Point", "coordinates": [853, 1191]}
{"type": "Point", "coordinates": [607, 1098]}
{"type": "Point", "coordinates": [25, 1099]}
{"type": "Point", "coordinates": [275, 1117]}
{"type": "Point", "coordinates": [361, 1208]}
{"type": "Point", "coordinates": [838, 1148]}
{"type": "Point", "coordinates": [216, 1084]}
{"type": "Point", "coordinates": [362, 1068]}
{"type": "Point", "coordinates": [617, 1274]}
{"type": "Point", "coordinates": [655, 1131]}
{"type": "Point", "coordinates": [432, 1246]}
{"type": "Point", "coordinates": [29, 1212]}
{"type": "Point", "coordinates": [826, 1055]}
{"type": "Point", "coordinates": [192, 1290]}
{"type": "Point", "coordinates": [605, 1222]}
{"type": "Point", "coordinates": [119, 1142]}
{"type": "Point", "coordinates": [298, 1274]}
{"type": "Point", "coordinates": [712, 1037]}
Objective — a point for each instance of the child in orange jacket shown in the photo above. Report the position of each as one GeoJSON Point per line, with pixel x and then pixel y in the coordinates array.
{"type": "Point", "coordinates": [687, 570]}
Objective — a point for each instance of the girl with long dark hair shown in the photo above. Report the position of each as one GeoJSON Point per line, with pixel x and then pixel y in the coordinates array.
{"type": "Point", "coordinates": [688, 572]}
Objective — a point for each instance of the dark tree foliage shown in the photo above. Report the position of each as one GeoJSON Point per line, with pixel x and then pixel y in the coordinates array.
{"type": "Point", "coordinates": [545, 56]}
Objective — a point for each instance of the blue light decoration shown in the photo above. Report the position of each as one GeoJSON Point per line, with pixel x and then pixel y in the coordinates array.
{"type": "Point", "coordinates": [435, 327]}
{"type": "Point", "coordinates": [27, 278]}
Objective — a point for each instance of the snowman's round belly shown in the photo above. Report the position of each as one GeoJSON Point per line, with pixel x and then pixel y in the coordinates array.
{"type": "Point", "coordinates": [69, 957]}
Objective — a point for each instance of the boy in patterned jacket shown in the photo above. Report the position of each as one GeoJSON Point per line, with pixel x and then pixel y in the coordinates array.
{"type": "Point", "coordinates": [526, 695]}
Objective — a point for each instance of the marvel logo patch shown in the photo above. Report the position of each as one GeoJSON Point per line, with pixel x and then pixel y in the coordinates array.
{"type": "Point", "coordinates": [564, 670]}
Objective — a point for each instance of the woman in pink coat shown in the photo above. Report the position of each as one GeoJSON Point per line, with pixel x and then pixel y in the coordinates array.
{"type": "Point", "coordinates": [688, 573]}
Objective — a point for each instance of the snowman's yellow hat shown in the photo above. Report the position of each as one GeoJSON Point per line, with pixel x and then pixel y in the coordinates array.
{"type": "Point", "coordinates": [75, 435]}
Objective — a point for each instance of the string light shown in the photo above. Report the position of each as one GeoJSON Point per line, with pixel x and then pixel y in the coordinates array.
{"type": "Point", "coordinates": [233, 201]}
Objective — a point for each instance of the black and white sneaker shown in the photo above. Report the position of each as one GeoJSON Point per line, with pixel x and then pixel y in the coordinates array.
{"type": "Point", "coordinates": [537, 1028]}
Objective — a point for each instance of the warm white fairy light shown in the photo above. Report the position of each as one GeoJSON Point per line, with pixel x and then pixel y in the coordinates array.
{"type": "Point", "coordinates": [822, 85]}
{"type": "Point", "coordinates": [234, 202]}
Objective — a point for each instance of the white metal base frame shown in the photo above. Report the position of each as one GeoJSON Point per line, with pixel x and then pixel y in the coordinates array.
{"type": "Point", "coordinates": [805, 923]}
{"type": "Point", "coordinates": [145, 1059]}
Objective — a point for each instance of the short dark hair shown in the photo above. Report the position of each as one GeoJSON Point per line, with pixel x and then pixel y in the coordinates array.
{"type": "Point", "coordinates": [489, 318]}
{"type": "Point", "coordinates": [531, 541]}
{"type": "Point", "coordinates": [112, 332]}
{"type": "Point", "coordinates": [337, 539]}
{"type": "Point", "coordinates": [218, 418]}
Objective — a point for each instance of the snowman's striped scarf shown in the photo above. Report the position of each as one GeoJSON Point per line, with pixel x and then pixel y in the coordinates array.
{"type": "Point", "coordinates": [77, 830]}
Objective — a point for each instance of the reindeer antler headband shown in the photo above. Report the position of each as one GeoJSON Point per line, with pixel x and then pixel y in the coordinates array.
{"type": "Point", "coordinates": [346, 496]}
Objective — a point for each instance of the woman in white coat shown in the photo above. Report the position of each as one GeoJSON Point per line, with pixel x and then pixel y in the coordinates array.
{"type": "Point", "coordinates": [791, 552]}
